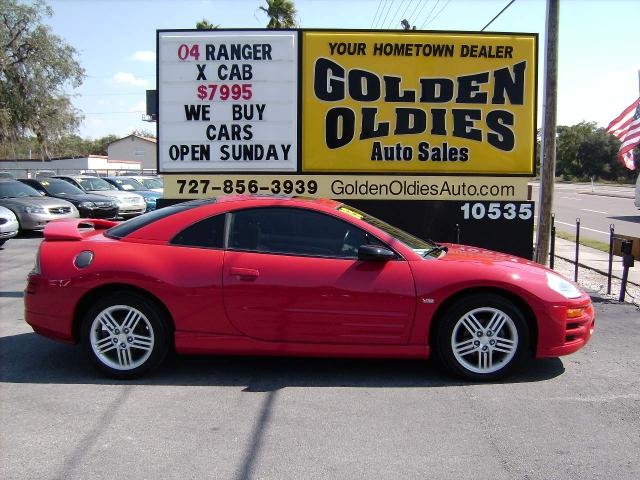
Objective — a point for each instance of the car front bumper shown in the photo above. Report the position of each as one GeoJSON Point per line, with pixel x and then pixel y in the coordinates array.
{"type": "Point", "coordinates": [37, 221]}
{"type": "Point", "coordinates": [566, 328]}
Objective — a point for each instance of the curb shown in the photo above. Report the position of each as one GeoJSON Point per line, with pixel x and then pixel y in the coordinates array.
{"type": "Point", "coordinates": [613, 275]}
{"type": "Point", "coordinates": [617, 195]}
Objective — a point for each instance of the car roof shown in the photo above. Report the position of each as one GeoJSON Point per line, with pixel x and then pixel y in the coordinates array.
{"type": "Point", "coordinates": [162, 225]}
{"type": "Point", "coordinates": [76, 176]}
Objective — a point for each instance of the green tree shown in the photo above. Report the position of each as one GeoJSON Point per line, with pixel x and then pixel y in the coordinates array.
{"type": "Point", "coordinates": [36, 69]}
{"type": "Point", "coordinates": [281, 13]}
{"type": "Point", "coordinates": [204, 24]}
{"type": "Point", "coordinates": [585, 150]}
{"type": "Point", "coordinates": [143, 133]}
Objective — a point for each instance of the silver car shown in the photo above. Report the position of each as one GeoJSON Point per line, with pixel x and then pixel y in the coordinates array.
{"type": "Point", "coordinates": [129, 204]}
{"type": "Point", "coordinates": [32, 209]}
{"type": "Point", "coordinates": [8, 225]}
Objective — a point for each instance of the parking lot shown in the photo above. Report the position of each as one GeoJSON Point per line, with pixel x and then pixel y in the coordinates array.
{"type": "Point", "coordinates": [252, 418]}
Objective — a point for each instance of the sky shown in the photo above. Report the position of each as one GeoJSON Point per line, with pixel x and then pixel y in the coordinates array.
{"type": "Point", "coordinates": [599, 49]}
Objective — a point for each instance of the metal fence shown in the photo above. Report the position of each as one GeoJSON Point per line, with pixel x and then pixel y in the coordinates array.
{"type": "Point", "coordinates": [50, 172]}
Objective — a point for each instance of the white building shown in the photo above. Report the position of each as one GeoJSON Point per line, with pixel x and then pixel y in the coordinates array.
{"type": "Point", "coordinates": [92, 164]}
{"type": "Point", "coordinates": [135, 148]}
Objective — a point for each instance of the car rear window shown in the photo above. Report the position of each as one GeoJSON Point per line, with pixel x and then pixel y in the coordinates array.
{"type": "Point", "coordinates": [136, 223]}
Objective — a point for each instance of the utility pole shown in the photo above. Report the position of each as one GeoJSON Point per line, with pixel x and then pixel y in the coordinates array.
{"type": "Point", "coordinates": [548, 143]}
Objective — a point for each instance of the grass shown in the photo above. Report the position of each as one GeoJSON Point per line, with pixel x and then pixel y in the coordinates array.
{"type": "Point", "coordinates": [602, 246]}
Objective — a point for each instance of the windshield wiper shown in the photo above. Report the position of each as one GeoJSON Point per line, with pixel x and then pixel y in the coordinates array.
{"type": "Point", "coordinates": [437, 248]}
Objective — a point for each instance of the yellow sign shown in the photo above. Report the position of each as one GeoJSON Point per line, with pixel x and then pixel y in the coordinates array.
{"type": "Point", "coordinates": [418, 102]}
{"type": "Point", "coordinates": [365, 187]}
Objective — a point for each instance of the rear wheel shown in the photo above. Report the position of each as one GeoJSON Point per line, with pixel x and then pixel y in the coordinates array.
{"type": "Point", "coordinates": [125, 335]}
{"type": "Point", "coordinates": [483, 337]}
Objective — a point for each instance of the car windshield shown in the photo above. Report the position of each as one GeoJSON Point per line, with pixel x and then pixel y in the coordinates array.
{"type": "Point", "coordinates": [95, 183]}
{"type": "Point", "coordinates": [17, 189]}
{"type": "Point", "coordinates": [60, 187]}
{"type": "Point", "coordinates": [128, 183]}
{"type": "Point", "coordinates": [151, 182]}
{"type": "Point", "coordinates": [422, 247]}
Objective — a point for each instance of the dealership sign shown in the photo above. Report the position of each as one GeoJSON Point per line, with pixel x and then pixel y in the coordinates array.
{"type": "Point", "coordinates": [356, 102]}
{"type": "Point", "coordinates": [418, 102]}
{"type": "Point", "coordinates": [227, 101]}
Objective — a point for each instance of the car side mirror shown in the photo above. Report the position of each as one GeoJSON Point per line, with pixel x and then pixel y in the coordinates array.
{"type": "Point", "coordinates": [375, 253]}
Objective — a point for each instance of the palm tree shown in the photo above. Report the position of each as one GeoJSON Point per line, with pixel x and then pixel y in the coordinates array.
{"type": "Point", "coordinates": [204, 24]}
{"type": "Point", "coordinates": [281, 13]}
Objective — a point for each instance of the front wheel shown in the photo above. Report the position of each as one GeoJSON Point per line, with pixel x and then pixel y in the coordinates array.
{"type": "Point", "coordinates": [483, 337]}
{"type": "Point", "coordinates": [125, 335]}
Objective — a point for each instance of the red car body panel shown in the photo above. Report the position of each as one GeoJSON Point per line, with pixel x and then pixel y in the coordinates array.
{"type": "Point", "coordinates": [224, 301]}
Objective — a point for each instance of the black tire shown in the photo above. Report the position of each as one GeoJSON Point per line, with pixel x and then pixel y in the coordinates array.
{"type": "Point", "coordinates": [125, 335]}
{"type": "Point", "coordinates": [483, 353]}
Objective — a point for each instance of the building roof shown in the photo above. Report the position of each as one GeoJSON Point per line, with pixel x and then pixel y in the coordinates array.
{"type": "Point", "coordinates": [148, 139]}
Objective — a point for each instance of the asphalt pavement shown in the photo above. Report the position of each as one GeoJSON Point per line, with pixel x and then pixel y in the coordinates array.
{"type": "Point", "coordinates": [577, 417]}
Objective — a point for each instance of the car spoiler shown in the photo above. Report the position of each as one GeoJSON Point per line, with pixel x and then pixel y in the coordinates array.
{"type": "Point", "coordinates": [72, 229]}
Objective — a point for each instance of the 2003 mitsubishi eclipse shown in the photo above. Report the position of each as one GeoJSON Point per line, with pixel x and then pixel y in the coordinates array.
{"type": "Point", "coordinates": [288, 276]}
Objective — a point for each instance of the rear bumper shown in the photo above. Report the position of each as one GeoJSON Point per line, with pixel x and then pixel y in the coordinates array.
{"type": "Point", "coordinates": [48, 308]}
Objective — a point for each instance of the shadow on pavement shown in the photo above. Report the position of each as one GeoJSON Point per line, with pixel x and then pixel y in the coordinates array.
{"type": "Point", "coordinates": [30, 358]}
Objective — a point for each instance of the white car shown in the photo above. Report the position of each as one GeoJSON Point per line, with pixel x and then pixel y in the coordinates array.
{"type": "Point", "coordinates": [129, 204]}
{"type": "Point", "coordinates": [8, 225]}
{"type": "Point", "coordinates": [150, 183]}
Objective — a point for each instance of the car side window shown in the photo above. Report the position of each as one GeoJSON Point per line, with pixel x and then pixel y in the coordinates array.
{"type": "Point", "coordinates": [207, 233]}
{"type": "Point", "coordinates": [297, 232]}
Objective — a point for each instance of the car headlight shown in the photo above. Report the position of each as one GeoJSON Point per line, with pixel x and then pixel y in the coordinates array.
{"type": "Point", "coordinates": [562, 286]}
{"type": "Point", "coordinates": [34, 210]}
{"type": "Point", "coordinates": [87, 205]}
{"type": "Point", "coordinates": [119, 201]}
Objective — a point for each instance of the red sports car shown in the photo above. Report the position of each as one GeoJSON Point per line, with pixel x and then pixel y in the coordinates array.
{"type": "Point", "coordinates": [288, 276]}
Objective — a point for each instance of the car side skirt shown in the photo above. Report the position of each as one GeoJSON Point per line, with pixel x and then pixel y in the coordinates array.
{"type": "Point", "coordinates": [206, 344]}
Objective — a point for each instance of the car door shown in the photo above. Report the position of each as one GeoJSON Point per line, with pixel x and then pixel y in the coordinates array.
{"type": "Point", "coordinates": [292, 275]}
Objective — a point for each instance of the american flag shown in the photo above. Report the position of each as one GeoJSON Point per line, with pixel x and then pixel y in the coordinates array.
{"type": "Point", "coordinates": [626, 128]}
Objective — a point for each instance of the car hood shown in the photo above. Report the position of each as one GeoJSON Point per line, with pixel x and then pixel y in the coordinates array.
{"type": "Point", "coordinates": [48, 202]}
{"type": "Point", "coordinates": [468, 254]}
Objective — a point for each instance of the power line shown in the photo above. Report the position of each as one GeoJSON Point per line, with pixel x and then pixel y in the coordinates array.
{"type": "Point", "coordinates": [439, 12]}
{"type": "Point", "coordinates": [430, 12]}
{"type": "Point", "coordinates": [385, 17]}
{"type": "Point", "coordinates": [392, 21]}
{"type": "Point", "coordinates": [500, 13]}
{"type": "Point", "coordinates": [111, 113]}
{"type": "Point", "coordinates": [405, 10]}
{"type": "Point", "coordinates": [411, 17]}
{"type": "Point", "coordinates": [384, 4]}
{"type": "Point", "coordinates": [376, 14]}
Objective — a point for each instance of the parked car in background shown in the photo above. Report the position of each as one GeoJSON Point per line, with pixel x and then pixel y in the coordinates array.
{"type": "Point", "coordinates": [129, 204]}
{"type": "Point", "coordinates": [151, 183]}
{"type": "Point", "coordinates": [44, 174]}
{"type": "Point", "coordinates": [32, 209]}
{"type": "Point", "coordinates": [90, 205]}
{"type": "Point", "coordinates": [637, 202]}
{"type": "Point", "coordinates": [254, 275]}
{"type": "Point", "coordinates": [128, 184]}
{"type": "Point", "coordinates": [8, 225]}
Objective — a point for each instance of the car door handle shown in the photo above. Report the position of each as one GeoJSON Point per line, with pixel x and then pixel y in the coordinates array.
{"type": "Point", "coordinates": [245, 273]}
